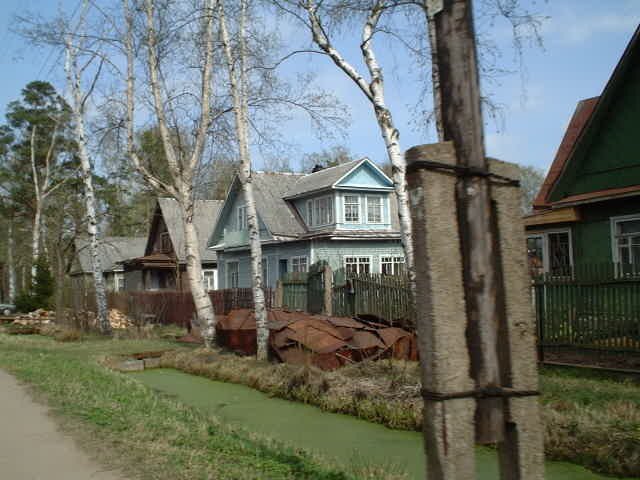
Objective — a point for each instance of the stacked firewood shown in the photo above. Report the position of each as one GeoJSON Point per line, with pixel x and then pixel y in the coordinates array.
{"type": "Point", "coordinates": [37, 317]}
{"type": "Point", "coordinates": [118, 319]}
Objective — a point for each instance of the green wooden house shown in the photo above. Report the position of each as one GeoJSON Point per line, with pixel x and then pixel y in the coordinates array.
{"type": "Point", "coordinates": [588, 209]}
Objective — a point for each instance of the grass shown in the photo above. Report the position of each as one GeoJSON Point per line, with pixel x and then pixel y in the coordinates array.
{"type": "Point", "coordinates": [591, 419]}
{"type": "Point", "coordinates": [147, 435]}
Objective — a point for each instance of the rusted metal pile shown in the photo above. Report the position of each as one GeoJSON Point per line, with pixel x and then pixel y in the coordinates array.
{"type": "Point", "coordinates": [326, 342]}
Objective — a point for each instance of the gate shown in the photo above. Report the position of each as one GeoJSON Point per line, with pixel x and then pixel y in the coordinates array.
{"type": "Point", "coordinates": [315, 288]}
{"type": "Point", "coordinates": [294, 291]}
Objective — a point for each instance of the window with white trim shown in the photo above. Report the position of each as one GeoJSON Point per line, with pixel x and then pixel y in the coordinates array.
{"type": "Point", "coordinates": [209, 279]}
{"type": "Point", "coordinates": [550, 252]}
{"type": "Point", "coordinates": [626, 243]}
{"type": "Point", "coordinates": [118, 281]}
{"type": "Point", "coordinates": [233, 274]}
{"type": "Point", "coordinates": [357, 264]}
{"type": "Point", "coordinates": [265, 272]}
{"type": "Point", "coordinates": [242, 218]}
{"type": "Point", "coordinates": [298, 264]}
{"type": "Point", "coordinates": [320, 211]}
{"type": "Point", "coordinates": [374, 209]}
{"type": "Point", "coordinates": [392, 265]}
{"type": "Point", "coordinates": [351, 208]}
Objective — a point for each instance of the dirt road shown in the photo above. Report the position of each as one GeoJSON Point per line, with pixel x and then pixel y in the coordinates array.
{"type": "Point", "coordinates": [32, 447]}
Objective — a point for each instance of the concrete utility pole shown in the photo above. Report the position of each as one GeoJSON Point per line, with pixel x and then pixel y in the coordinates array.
{"type": "Point", "coordinates": [493, 337]}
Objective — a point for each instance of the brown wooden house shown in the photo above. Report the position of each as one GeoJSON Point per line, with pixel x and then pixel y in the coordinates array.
{"type": "Point", "coordinates": [163, 265]}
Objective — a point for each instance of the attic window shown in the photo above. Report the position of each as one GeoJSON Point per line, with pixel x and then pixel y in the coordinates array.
{"type": "Point", "coordinates": [242, 218]}
{"type": "Point", "coordinates": [165, 242]}
{"type": "Point", "coordinates": [320, 211]}
{"type": "Point", "coordinates": [352, 209]}
{"type": "Point", "coordinates": [374, 209]}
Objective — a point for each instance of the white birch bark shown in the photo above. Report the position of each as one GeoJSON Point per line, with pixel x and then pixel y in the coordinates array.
{"type": "Point", "coordinates": [374, 91]}
{"type": "Point", "coordinates": [181, 166]}
{"type": "Point", "coordinates": [77, 111]}
{"type": "Point", "coordinates": [11, 263]}
{"type": "Point", "coordinates": [239, 94]}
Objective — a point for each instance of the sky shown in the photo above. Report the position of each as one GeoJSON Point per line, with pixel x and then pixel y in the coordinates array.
{"type": "Point", "coordinates": [582, 42]}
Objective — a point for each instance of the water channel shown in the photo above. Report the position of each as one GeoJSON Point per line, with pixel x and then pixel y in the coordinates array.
{"type": "Point", "coordinates": [332, 435]}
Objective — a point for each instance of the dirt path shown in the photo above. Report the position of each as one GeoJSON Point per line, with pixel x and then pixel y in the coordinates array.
{"type": "Point", "coordinates": [32, 447]}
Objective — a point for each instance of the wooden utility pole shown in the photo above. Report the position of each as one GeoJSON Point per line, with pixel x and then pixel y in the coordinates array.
{"type": "Point", "coordinates": [496, 329]}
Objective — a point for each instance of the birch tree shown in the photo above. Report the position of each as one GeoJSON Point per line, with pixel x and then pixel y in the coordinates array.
{"type": "Point", "coordinates": [74, 44]}
{"type": "Point", "coordinates": [373, 90]}
{"type": "Point", "coordinates": [238, 86]}
{"type": "Point", "coordinates": [181, 163]}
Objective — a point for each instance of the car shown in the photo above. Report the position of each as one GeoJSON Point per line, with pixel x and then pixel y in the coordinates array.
{"type": "Point", "coordinates": [7, 309]}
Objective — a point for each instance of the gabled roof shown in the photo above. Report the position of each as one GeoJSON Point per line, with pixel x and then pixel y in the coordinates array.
{"type": "Point", "coordinates": [205, 214]}
{"type": "Point", "coordinates": [269, 190]}
{"type": "Point", "coordinates": [322, 179]}
{"type": "Point", "coordinates": [111, 251]}
{"type": "Point", "coordinates": [581, 115]}
{"type": "Point", "coordinates": [590, 118]}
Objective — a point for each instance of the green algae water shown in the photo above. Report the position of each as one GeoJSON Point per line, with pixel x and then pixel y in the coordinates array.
{"type": "Point", "coordinates": [340, 437]}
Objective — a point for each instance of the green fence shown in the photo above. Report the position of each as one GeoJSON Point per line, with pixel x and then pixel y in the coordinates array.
{"type": "Point", "coordinates": [591, 308]}
{"type": "Point", "coordinates": [294, 291]}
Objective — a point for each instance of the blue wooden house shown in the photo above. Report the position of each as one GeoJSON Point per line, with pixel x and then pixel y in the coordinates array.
{"type": "Point", "coordinates": [345, 215]}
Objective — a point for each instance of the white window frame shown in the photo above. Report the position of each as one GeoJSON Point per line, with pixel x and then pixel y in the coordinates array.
{"type": "Point", "coordinates": [229, 273]}
{"type": "Point", "coordinates": [315, 218]}
{"type": "Point", "coordinates": [393, 262]}
{"type": "Point", "coordinates": [358, 263]}
{"type": "Point", "coordinates": [265, 270]}
{"type": "Point", "coordinates": [294, 264]}
{"type": "Point", "coordinates": [118, 281]}
{"type": "Point", "coordinates": [243, 223]}
{"type": "Point", "coordinates": [614, 221]}
{"type": "Point", "coordinates": [344, 208]}
{"type": "Point", "coordinates": [546, 258]}
{"type": "Point", "coordinates": [381, 198]}
{"type": "Point", "coordinates": [209, 283]}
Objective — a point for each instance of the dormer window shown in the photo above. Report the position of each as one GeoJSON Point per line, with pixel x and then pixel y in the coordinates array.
{"type": "Point", "coordinates": [320, 211]}
{"type": "Point", "coordinates": [242, 218]}
{"type": "Point", "coordinates": [165, 242]}
{"type": "Point", "coordinates": [352, 209]}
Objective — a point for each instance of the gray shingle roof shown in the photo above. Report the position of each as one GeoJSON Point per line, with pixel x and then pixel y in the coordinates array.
{"type": "Point", "coordinates": [320, 180]}
{"type": "Point", "coordinates": [111, 251]}
{"type": "Point", "coordinates": [269, 190]}
{"type": "Point", "coordinates": [205, 215]}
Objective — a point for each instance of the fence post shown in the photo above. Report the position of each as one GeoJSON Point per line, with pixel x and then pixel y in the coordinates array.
{"type": "Point", "coordinates": [441, 317]}
{"type": "Point", "coordinates": [328, 290]}
{"type": "Point", "coordinates": [279, 294]}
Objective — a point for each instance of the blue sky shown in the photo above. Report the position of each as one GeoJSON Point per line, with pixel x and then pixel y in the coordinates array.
{"type": "Point", "coordinates": [583, 41]}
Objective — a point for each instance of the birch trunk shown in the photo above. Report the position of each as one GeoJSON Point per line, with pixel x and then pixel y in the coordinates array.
{"type": "Point", "coordinates": [435, 75]}
{"type": "Point", "coordinates": [11, 263]}
{"type": "Point", "coordinates": [35, 234]}
{"type": "Point", "coordinates": [374, 91]}
{"type": "Point", "coordinates": [77, 111]}
{"type": "Point", "coordinates": [180, 164]}
{"type": "Point", "coordinates": [239, 94]}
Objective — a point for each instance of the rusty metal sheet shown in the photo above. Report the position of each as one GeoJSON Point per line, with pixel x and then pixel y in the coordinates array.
{"type": "Point", "coordinates": [242, 319]}
{"type": "Point", "coordinates": [317, 340]}
{"type": "Point", "coordinates": [392, 334]}
{"type": "Point", "coordinates": [281, 338]}
{"type": "Point", "coordinates": [346, 333]}
{"type": "Point", "coordinates": [364, 339]}
{"type": "Point", "coordinates": [345, 322]}
{"type": "Point", "coordinates": [317, 324]}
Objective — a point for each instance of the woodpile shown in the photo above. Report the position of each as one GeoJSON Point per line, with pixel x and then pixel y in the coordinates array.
{"type": "Point", "coordinates": [118, 319]}
{"type": "Point", "coordinates": [36, 318]}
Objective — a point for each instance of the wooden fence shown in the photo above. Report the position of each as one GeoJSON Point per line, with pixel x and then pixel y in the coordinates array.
{"type": "Point", "coordinates": [175, 307]}
{"type": "Point", "coordinates": [591, 310]}
{"type": "Point", "coordinates": [353, 294]}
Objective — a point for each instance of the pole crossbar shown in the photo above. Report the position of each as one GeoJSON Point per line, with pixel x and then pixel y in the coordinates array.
{"type": "Point", "coordinates": [478, 393]}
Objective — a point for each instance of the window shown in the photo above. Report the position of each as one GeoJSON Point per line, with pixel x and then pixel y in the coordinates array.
{"type": "Point", "coordinates": [242, 218]}
{"type": "Point", "coordinates": [550, 252]}
{"type": "Point", "coordinates": [265, 272]}
{"type": "Point", "coordinates": [392, 265]}
{"type": "Point", "coordinates": [320, 211]}
{"type": "Point", "coordinates": [165, 242]}
{"type": "Point", "coordinates": [209, 279]}
{"type": "Point", "coordinates": [374, 209]}
{"type": "Point", "coordinates": [626, 243]}
{"type": "Point", "coordinates": [352, 209]}
{"type": "Point", "coordinates": [118, 281]}
{"type": "Point", "coordinates": [298, 264]}
{"type": "Point", "coordinates": [233, 274]}
{"type": "Point", "coordinates": [357, 264]}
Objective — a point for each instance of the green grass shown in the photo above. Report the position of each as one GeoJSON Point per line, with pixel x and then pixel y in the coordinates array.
{"type": "Point", "coordinates": [592, 418]}
{"type": "Point", "coordinates": [145, 434]}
